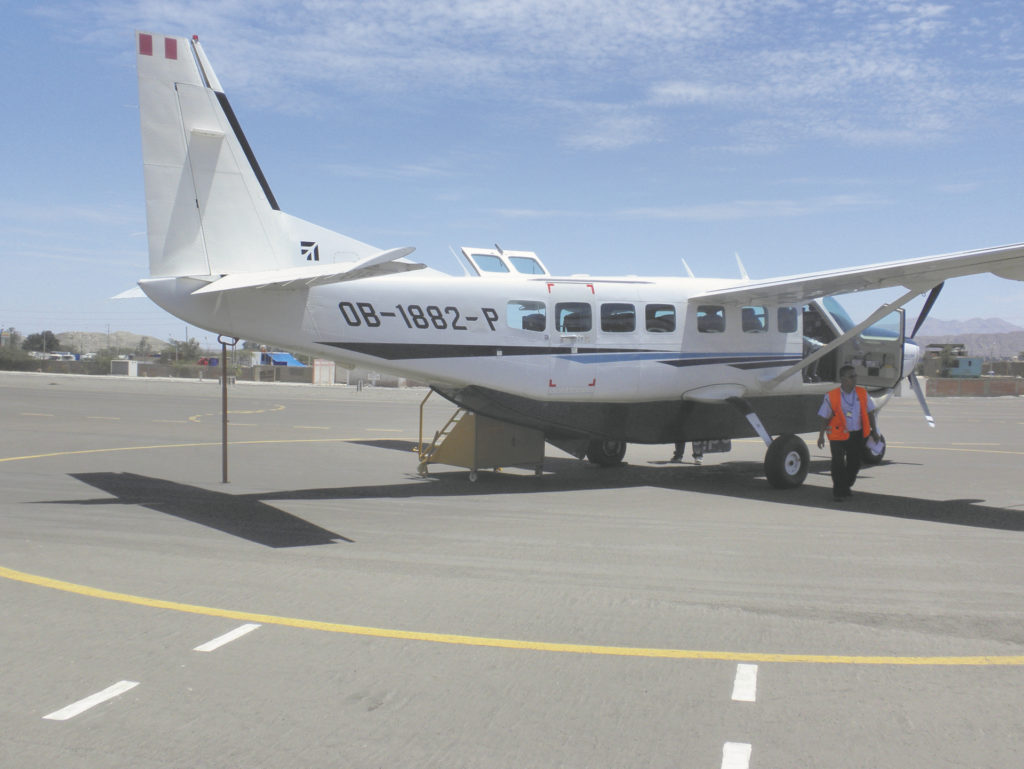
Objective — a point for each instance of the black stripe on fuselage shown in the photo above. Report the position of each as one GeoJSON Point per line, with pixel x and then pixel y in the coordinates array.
{"type": "Point", "coordinates": [744, 362]}
{"type": "Point", "coordinates": [399, 351]}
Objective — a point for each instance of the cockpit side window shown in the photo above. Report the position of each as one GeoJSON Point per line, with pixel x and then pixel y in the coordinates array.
{"type": "Point", "coordinates": [787, 320]}
{"type": "Point", "coordinates": [710, 318]}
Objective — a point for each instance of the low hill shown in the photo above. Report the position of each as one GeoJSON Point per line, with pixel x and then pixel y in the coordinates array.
{"type": "Point", "coordinates": [86, 341]}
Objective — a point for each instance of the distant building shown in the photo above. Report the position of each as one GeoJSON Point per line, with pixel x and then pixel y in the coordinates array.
{"type": "Point", "coordinates": [951, 361]}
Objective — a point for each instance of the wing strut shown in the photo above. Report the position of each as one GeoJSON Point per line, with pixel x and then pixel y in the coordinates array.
{"type": "Point", "coordinates": [821, 352]}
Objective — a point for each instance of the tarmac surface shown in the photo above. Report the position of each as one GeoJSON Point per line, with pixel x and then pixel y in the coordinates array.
{"type": "Point", "coordinates": [328, 607]}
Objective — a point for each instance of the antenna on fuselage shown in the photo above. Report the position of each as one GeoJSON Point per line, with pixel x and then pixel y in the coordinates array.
{"type": "Point", "coordinates": [499, 249]}
{"type": "Point", "coordinates": [688, 270]}
{"type": "Point", "coordinates": [463, 266]}
{"type": "Point", "coordinates": [743, 270]}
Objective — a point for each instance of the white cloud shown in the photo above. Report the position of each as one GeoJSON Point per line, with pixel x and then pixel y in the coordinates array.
{"type": "Point", "coordinates": [612, 132]}
{"type": "Point", "coordinates": [752, 209]}
{"type": "Point", "coordinates": [853, 72]}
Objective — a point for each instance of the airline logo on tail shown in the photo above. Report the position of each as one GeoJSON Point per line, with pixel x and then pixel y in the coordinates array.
{"type": "Point", "coordinates": [310, 250]}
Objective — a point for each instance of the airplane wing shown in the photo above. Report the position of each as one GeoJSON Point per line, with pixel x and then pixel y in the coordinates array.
{"type": "Point", "coordinates": [384, 263]}
{"type": "Point", "coordinates": [915, 274]}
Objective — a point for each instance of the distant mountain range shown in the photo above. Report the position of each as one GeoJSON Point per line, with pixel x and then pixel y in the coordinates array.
{"type": "Point", "coordinates": [990, 338]}
{"type": "Point", "coordinates": [937, 327]}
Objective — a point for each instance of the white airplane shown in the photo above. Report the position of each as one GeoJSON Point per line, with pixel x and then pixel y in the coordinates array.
{"type": "Point", "coordinates": [593, 363]}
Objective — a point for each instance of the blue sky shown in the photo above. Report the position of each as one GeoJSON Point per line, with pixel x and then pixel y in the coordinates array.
{"type": "Point", "coordinates": [609, 136]}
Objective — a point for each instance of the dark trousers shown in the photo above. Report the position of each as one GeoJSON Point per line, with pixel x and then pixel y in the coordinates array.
{"type": "Point", "coordinates": [846, 459]}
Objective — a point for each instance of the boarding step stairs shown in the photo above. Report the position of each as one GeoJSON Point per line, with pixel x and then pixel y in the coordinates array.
{"type": "Point", "coordinates": [477, 442]}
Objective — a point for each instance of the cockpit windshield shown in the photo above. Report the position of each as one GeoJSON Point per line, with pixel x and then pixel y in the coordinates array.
{"type": "Point", "coordinates": [887, 328]}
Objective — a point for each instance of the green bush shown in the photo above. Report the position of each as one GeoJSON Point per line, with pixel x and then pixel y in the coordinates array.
{"type": "Point", "coordinates": [12, 359]}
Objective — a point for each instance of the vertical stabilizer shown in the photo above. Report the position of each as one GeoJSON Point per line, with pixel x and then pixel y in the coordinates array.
{"type": "Point", "coordinates": [209, 209]}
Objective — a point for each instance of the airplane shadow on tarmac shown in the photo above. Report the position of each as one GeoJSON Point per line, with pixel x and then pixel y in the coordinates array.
{"type": "Point", "coordinates": [249, 516]}
{"type": "Point", "coordinates": [241, 515]}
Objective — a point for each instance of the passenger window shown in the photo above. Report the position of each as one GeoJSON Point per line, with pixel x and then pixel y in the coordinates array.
{"type": "Point", "coordinates": [528, 316]}
{"type": "Point", "coordinates": [618, 317]}
{"type": "Point", "coordinates": [755, 319]}
{"type": "Point", "coordinates": [787, 319]}
{"type": "Point", "coordinates": [489, 263]}
{"type": "Point", "coordinates": [661, 317]}
{"type": "Point", "coordinates": [710, 318]}
{"type": "Point", "coordinates": [573, 317]}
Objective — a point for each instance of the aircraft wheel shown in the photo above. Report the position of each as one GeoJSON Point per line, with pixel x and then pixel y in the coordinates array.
{"type": "Point", "coordinates": [472, 476]}
{"type": "Point", "coordinates": [786, 461]}
{"type": "Point", "coordinates": [606, 453]}
{"type": "Point", "coordinates": [873, 459]}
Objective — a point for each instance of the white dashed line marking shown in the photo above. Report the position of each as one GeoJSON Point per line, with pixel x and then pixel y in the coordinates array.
{"type": "Point", "coordinates": [227, 638]}
{"type": "Point", "coordinates": [92, 701]}
{"type": "Point", "coordinates": [736, 755]}
{"type": "Point", "coordinates": [744, 689]}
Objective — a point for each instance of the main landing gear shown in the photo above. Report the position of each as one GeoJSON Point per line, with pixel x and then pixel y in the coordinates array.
{"type": "Point", "coordinates": [606, 453]}
{"type": "Point", "coordinates": [786, 461]}
{"type": "Point", "coordinates": [787, 458]}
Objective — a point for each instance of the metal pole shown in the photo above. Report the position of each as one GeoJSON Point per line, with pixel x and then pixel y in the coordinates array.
{"type": "Point", "coordinates": [224, 402]}
{"type": "Point", "coordinates": [224, 408]}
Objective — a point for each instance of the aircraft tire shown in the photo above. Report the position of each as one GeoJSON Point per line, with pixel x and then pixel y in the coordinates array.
{"type": "Point", "coordinates": [606, 453]}
{"type": "Point", "coordinates": [871, 459]}
{"type": "Point", "coordinates": [786, 461]}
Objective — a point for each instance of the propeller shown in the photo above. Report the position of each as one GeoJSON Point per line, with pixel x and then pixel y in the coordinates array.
{"type": "Point", "coordinates": [927, 308]}
{"type": "Point", "coordinates": [912, 377]}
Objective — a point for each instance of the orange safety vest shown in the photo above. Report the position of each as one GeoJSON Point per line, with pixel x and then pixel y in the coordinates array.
{"type": "Point", "coordinates": [837, 425]}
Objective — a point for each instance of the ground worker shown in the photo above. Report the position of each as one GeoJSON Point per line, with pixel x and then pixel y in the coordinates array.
{"type": "Point", "coordinates": [844, 413]}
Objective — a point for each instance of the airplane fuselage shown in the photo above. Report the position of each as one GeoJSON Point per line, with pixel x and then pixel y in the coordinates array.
{"type": "Point", "coordinates": [567, 353]}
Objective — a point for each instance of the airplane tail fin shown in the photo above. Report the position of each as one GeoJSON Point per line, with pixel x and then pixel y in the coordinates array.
{"type": "Point", "coordinates": [209, 208]}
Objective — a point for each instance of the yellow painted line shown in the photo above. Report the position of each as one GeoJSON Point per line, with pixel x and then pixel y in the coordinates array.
{"type": "Point", "coordinates": [894, 445]}
{"type": "Point", "coordinates": [177, 446]}
{"type": "Point", "coordinates": [502, 643]}
{"type": "Point", "coordinates": [199, 417]}
{"type": "Point", "coordinates": [957, 449]}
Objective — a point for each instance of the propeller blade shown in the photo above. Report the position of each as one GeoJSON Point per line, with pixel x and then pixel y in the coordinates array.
{"type": "Point", "coordinates": [927, 308]}
{"type": "Point", "coordinates": [920, 398]}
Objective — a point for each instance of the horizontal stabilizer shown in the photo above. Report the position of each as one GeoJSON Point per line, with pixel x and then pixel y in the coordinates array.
{"type": "Point", "coordinates": [384, 263]}
{"type": "Point", "coordinates": [131, 293]}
